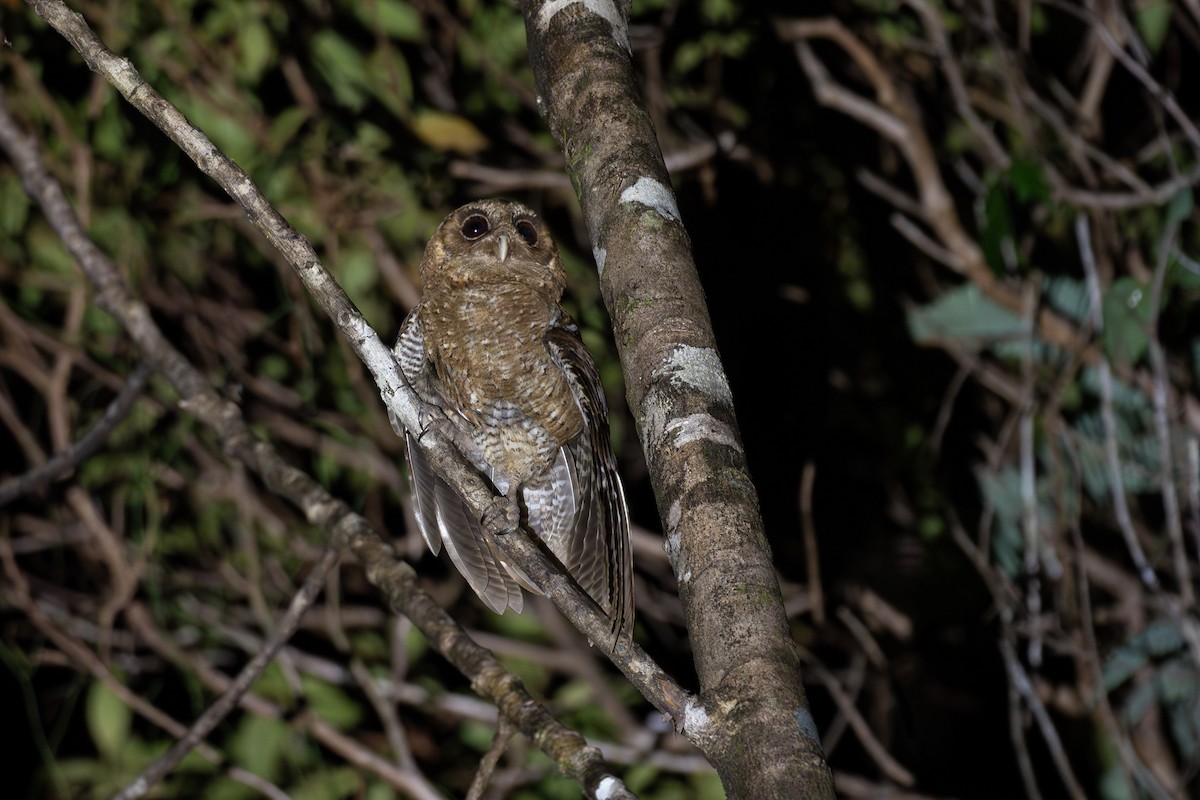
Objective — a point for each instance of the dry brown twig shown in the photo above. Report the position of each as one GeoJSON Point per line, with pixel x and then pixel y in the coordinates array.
{"type": "Point", "coordinates": [347, 529]}
{"type": "Point", "coordinates": [240, 187]}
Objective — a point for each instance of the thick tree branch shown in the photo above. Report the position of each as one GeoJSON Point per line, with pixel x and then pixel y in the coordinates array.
{"type": "Point", "coordinates": [754, 718]}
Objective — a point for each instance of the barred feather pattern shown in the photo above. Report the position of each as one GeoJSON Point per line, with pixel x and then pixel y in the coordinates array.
{"type": "Point", "coordinates": [490, 349]}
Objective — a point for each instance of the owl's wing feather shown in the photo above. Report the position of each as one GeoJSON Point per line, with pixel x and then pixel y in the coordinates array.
{"type": "Point", "coordinates": [424, 488]}
{"type": "Point", "coordinates": [442, 515]}
{"type": "Point", "coordinates": [471, 551]}
{"type": "Point", "coordinates": [598, 551]}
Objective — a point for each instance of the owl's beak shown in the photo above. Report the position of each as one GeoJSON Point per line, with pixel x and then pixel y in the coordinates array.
{"type": "Point", "coordinates": [502, 247]}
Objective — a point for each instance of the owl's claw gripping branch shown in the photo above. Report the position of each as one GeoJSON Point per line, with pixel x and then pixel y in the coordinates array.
{"type": "Point", "coordinates": [503, 517]}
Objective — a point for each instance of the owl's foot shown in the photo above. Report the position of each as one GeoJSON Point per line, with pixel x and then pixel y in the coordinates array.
{"type": "Point", "coordinates": [502, 517]}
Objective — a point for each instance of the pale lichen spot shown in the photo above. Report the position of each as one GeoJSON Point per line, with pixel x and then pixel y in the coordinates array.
{"type": "Point", "coordinates": [674, 515]}
{"type": "Point", "coordinates": [673, 544]}
{"type": "Point", "coordinates": [672, 541]}
{"type": "Point", "coordinates": [654, 416]}
{"type": "Point", "coordinates": [702, 428]}
{"type": "Point", "coordinates": [608, 787]}
{"type": "Point", "coordinates": [701, 369]}
{"type": "Point", "coordinates": [653, 195]}
{"type": "Point", "coordinates": [605, 9]}
{"type": "Point", "coordinates": [807, 725]}
{"type": "Point", "coordinates": [601, 255]}
{"type": "Point", "coordinates": [695, 717]}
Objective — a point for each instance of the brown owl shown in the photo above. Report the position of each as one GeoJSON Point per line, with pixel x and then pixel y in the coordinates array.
{"type": "Point", "coordinates": [490, 350]}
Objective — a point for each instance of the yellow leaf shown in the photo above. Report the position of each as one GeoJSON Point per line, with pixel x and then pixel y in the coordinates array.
{"type": "Point", "coordinates": [443, 131]}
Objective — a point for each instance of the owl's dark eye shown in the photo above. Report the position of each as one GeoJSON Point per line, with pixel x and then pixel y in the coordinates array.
{"type": "Point", "coordinates": [527, 230]}
{"type": "Point", "coordinates": [475, 226]}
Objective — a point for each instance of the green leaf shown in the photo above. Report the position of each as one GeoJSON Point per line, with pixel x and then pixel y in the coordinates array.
{"type": "Point", "coordinates": [14, 205]}
{"type": "Point", "coordinates": [329, 784]}
{"type": "Point", "coordinates": [1180, 207]}
{"type": "Point", "coordinates": [965, 316]}
{"type": "Point", "coordinates": [718, 12]}
{"type": "Point", "coordinates": [1161, 637]}
{"type": "Point", "coordinates": [1068, 296]}
{"type": "Point", "coordinates": [284, 128]}
{"type": "Point", "coordinates": [706, 786]}
{"type": "Point", "coordinates": [1028, 181]}
{"type": "Point", "coordinates": [343, 67]}
{"type": "Point", "coordinates": [1153, 19]}
{"type": "Point", "coordinates": [255, 50]}
{"type": "Point", "coordinates": [1003, 491]}
{"type": "Point", "coordinates": [260, 745]}
{"type": "Point", "coordinates": [380, 791]}
{"type": "Point", "coordinates": [640, 776]}
{"type": "Point", "coordinates": [108, 720]}
{"type": "Point", "coordinates": [394, 18]}
{"type": "Point", "coordinates": [331, 703]}
{"type": "Point", "coordinates": [1126, 313]}
{"type": "Point", "coordinates": [476, 735]}
{"type": "Point", "coordinates": [997, 227]}
{"type": "Point", "coordinates": [1125, 397]}
{"type": "Point", "coordinates": [391, 80]}
{"type": "Point", "coordinates": [110, 133]}
{"type": "Point", "coordinates": [1183, 273]}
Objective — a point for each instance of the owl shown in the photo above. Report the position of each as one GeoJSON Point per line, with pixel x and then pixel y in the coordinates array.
{"type": "Point", "coordinates": [490, 352]}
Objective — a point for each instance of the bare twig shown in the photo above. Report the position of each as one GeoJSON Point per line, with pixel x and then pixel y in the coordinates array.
{"type": "Point", "coordinates": [890, 767]}
{"type": "Point", "coordinates": [487, 764]}
{"type": "Point", "coordinates": [238, 687]}
{"type": "Point", "coordinates": [1162, 425]}
{"type": "Point", "coordinates": [396, 579]}
{"type": "Point", "coordinates": [1116, 482]}
{"type": "Point", "coordinates": [811, 554]}
{"type": "Point", "coordinates": [365, 342]}
{"type": "Point", "coordinates": [1020, 681]}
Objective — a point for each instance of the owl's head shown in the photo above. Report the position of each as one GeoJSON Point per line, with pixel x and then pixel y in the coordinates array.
{"type": "Point", "coordinates": [493, 242]}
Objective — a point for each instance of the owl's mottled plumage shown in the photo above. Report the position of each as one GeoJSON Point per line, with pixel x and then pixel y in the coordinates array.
{"type": "Point", "coordinates": [490, 349]}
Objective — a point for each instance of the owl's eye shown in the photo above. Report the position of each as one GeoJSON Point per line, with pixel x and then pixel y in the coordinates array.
{"type": "Point", "coordinates": [527, 230]}
{"type": "Point", "coordinates": [475, 226]}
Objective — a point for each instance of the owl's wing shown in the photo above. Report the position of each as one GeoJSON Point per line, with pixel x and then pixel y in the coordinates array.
{"type": "Point", "coordinates": [597, 551]}
{"type": "Point", "coordinates": [442, 515]}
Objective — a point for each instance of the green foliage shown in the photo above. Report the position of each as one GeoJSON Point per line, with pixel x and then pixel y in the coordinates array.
{"type": "Point", "coordinates": [331, 704]}
{"type": "Point", "coordinates": [1160, 638]}
{"type": "Point", "coordinates": [1068, 296]}
{"type": "Point", "coordinates": [965, 315]}
{"type": "Point", "coordinates": [1127, 311]}
{"type": "Point", "coordinates": [108, 720]}
{"type": "Point", "coordinates": [263, 746]}
{"type": "Point", "coordinates": [1153, 19]}
{"type": "Point", "coordinates": [394, 18]}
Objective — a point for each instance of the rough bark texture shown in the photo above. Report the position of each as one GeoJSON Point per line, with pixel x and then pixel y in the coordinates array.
{"type": "Point", "coordinates": [752, 716]}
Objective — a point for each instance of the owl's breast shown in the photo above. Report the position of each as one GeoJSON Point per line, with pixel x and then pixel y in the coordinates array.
{"type": "Point", "coordinates": [489, 351]}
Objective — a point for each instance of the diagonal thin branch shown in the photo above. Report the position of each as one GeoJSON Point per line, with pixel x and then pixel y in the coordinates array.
{"type": "Point", "coordinates": [83, 449]}
{"type": "Point", "coordinates": [641, 670]}
{"type": "Point", "coordinates": [348, 530]}
{"type": "Point", "coordinates": [230, 698]}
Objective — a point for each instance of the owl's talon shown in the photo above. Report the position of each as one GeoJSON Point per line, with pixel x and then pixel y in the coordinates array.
{"type": "Point", "coordinates": [502, 517]}
{"type": "Point", "coordinates": [431, 420]}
